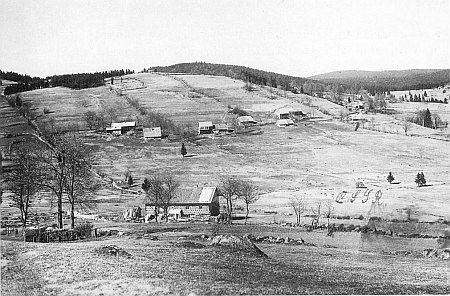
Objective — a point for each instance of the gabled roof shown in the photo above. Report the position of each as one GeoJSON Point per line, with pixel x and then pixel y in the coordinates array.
{"type": "Point", "coordinates": [119, 125]}
{"type": "Point", "coordinates": [287, 110]}
{"type": "Point", "coordinates": [207, 194]}
{"type": "Point", "coordinates": [205, 124]}
{"type": "Point", "coordinates": [246, 119]}
{"type": "Point", "coordinates": [152, 132]}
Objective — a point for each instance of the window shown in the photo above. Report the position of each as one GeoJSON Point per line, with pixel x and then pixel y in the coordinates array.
{"type": "Point", "coordinates": [187, 207]}
{"type": "Point", "coordinates": [199, 207]}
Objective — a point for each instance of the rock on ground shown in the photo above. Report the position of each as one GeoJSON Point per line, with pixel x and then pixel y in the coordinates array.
{"type": "Point", "coordinates": [238, 243]}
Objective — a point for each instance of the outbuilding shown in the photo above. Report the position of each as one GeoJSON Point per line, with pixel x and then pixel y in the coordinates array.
{"type": "Point", "coordinates": [205, 127]}
{"type": "Point", "coordinates": [121, 127]}
{"type": "Point", "coordinates": [152, 133]}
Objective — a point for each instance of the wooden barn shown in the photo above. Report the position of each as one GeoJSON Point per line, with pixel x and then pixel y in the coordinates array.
{"type": "Point", "coordinates": [204, 202]}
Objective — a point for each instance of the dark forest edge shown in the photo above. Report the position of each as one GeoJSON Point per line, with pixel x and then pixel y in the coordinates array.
{"type": "Point", "coordinates": [74, 81]}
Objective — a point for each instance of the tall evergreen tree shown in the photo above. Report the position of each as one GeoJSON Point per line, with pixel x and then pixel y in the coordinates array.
{"type": "Point", "coordinates": [390, 178]}
{"type": "Point", "coordinates": [427, 122]}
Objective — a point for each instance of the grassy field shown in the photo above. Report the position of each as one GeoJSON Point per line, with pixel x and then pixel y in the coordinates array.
{"type": "Point", "coordinates": [316, 160]}
{"type": "Point", "coordinates": [169, 266]}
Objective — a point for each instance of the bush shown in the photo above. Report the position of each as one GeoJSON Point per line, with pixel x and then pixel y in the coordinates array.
{"type": "Point", "coordinates": [46, 110]}
{"type": "Point", "coordinates": [239, 112]}
{"type": "Point", "coordinates": [84, 229]}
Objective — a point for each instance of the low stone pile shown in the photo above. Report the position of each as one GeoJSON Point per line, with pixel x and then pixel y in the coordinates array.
{"type": "Point", "coordinates": [237, 243]}
{"type": "Point", "coordinates": [443, 254]}
{"type": "Point", "coordinates": [278, 240]}
{"type": "Point", "coordinates": [113, 250]}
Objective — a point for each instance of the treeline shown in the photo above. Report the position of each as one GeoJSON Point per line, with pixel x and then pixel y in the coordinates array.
{"type": "Point", "coordinates": [259, 77]}
{"type": "Point", "coordinates": [74, 81]}
{"type": "Point", "coordinates": [378, 84]}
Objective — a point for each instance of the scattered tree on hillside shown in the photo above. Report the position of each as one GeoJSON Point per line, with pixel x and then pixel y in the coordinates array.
{"type": "Point", "coordinates": [229, 188]}
{"type": "Point", "coordinates": [183, 150]}
{"type": "Point", "coordinates": [23, 182]}
{"type": "Point", "coordinates": [90, 117]}
{"type": "Point", "coordinates": [427, 122]}
{"type": "Point", "coordinates": [406, 126]}
{"type": "Point", "coordinates": [112, 80]}
{"type": "Point", "coordinates": [79, 182]}
{"type": "Point", "coordinates": [299, 206]}
{"type": "Point", "coordinates": [161, 191]}
{"type": "Point", "coordinates": [154, 191]}
{"type": "Point", "coordinates": [317, 213]}
{"type": "Point", "coordinates": [248, 193]}
{"type": "Point", "coordinates": [390, 178]}
{"type": "Point", "coordinates": [420, 179]}
{"type": "Point", "coordinates": [130, 180]}
{"type": "Point", "coordinates": [328, 210]}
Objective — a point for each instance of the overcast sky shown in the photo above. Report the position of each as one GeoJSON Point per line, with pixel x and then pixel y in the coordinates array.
{"type": "Point", "coordinates": [301, 37]}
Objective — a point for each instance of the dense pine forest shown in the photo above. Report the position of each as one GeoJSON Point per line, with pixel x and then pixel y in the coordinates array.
{"type": "Point", "coordinates": [74, 81]}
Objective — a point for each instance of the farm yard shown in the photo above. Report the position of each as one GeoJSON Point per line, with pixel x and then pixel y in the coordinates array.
{"type": "Point", "coordinates": [320, 159]}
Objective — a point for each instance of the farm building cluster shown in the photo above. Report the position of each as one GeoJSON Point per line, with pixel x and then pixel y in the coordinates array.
{"type": "Point", "coordinates": [128, 128]}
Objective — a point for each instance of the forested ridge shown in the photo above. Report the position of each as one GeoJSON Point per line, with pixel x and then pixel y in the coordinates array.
{"type": "Point", "coordinates": [382, 81]}
{"type": "Point", "coordinates": [74, 81]}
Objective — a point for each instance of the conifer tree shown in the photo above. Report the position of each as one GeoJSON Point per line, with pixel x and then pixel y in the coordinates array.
{"type": "Point", "coordinates": [390, 178]}
{"type": "Point", "coordinates": [183, 150]}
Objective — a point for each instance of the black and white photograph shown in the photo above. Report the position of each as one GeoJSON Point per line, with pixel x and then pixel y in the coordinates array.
{"type": "Point", "coordinates": [224, 147]}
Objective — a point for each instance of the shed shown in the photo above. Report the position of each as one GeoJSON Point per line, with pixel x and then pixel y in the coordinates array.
{"type": "Point", "coordinates": [152, 132]}
{"type": "Point", "coordinates": [124, 127]}
{"type": "Point", "coordinates": [205, 127]}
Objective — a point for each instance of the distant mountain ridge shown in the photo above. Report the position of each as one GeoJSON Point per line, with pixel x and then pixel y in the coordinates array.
{"type": "Point", "coordinates": [388, 80]}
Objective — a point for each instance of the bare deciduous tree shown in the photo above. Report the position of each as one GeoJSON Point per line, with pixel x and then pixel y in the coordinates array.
{"type": "Point", "coordinates": [317, 212]}
{"type": "Point", "coordinates": [23, 181]}
{"type": "Point", "coordinates": [406, 126]}
{"type": "Point", "coordinates": [248, 193]}
{"type": "Point", "coordinates": [229, 188]}
{"type": "Point", "coordinates": [328, 209]}
{"type": "Point", "coordinates": [299, 207]}
{"type": "Point", "coordinates": [78, 182]}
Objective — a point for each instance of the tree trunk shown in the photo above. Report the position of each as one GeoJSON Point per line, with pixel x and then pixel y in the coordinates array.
{"type": "Point", "coordinates": [72, 214]}
{"type": "Point", "coordinates": [156, 214]}
{"type": "Point", "coordinates": [246, 216]}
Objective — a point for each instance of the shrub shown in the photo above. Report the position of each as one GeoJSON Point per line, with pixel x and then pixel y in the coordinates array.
{"type": "Point", "coordinates": [84, 229]}
{"type": "Point", "coordinates": [239, 112]}
{"type": "Point", "coordinates": [46, 110]}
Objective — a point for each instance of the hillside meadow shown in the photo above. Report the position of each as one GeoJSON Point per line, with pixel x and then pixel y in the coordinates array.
{"type": "Point", "coordinates": [317, 160]}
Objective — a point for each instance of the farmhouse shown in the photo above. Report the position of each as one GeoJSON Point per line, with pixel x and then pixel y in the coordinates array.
{"type": "Point", "coordinates": [205, 202]}
{"type": "Point", "coordinates": [152, 132]}
{"type": "Point", "coordinates": [223, 128]}
{"type": "Point", "coordinates": [246, 121]}
{"type": "Point", "coordinates": [120, 128]}
{"type": "Point", "coordinates": [355, 106]}
{"type": "Point", "coordinates": [292, 111]}
{"type": "Point", "coordinates": [205, 127]}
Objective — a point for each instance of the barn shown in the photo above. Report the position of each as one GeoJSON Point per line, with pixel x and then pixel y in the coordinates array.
{"type": "Point", "coordinates": [193, 203]}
